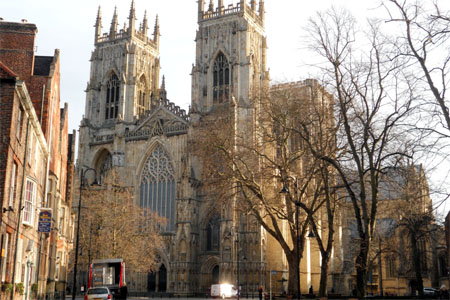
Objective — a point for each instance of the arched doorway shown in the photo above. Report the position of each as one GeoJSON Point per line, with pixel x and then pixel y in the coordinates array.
{"type": "Point", "coordinates": [162, 285]}
{"type": "Point", "coordinates": [151, 282]}
{"type": "Point", "coordinates": [157, 281]}
{"type": "Point", "coordinates": [215, 275]}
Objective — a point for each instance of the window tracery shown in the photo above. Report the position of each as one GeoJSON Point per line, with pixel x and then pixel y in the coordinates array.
{"type": "Point", "coordinates": [213, 233]}
{"type": "Point", "coordinates": [105, 166]}
{"type": "Point", "coordinates": [157, 186]}
{"type": "Point", "coordinates": [221, 79]}
{"type": "Point", "coordinates": [112, 97]}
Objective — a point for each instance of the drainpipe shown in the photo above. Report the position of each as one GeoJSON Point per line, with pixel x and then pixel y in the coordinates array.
{"type": "Point", "coordinates": [45, 196]}
{"type": "Point", "coordinates": [42, 103]}
{"type": "Point", "coordinates": [19, 217]}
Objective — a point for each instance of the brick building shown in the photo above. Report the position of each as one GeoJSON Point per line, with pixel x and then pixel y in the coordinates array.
{"type": "Point", "coordinates": [36, 166]}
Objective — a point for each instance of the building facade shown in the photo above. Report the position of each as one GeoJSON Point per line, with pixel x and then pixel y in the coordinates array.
{"type": "Point", "coordinates": [35, 164]}
{"type": "Point", "coordinates": [131, 125]}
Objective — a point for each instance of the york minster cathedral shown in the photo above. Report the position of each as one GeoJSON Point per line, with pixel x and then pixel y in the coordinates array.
{"type": "Point", "coordinates": [131, 125]}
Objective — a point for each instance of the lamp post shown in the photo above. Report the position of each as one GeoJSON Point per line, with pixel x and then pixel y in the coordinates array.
{"type": "Point", "coordinates": [285, 190]}
{"type": "Point", "coordinates": [237, 262]}
{"type": "Point", "coordinates": [77, 244]}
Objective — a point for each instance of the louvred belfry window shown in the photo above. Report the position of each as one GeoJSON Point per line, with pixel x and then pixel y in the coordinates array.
{"type": "Point", "coordinates": [112, 97]}
{"type": "Point", "coordinates": [221, 79]}
{"type": "Point", "coordinates": [157, 187]}
{"type": "Point", "coordinates": [142, 102]}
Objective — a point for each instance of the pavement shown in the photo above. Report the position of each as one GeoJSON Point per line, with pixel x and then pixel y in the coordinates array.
{"type": "Point", "coordinates": [69, 297]}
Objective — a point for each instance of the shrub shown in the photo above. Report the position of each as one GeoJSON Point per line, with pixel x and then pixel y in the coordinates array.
{"type": "Point", "coordinates": [20, 288]}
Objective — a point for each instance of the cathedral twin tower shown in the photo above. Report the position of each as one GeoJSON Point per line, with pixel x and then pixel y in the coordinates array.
{"type": "Point", "coordinates": [131, 126]}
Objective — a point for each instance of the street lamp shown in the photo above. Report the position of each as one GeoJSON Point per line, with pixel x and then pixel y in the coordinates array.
{"type": "Point", "coordinates": [237, 261]}
{"type": "Point", "coordinates": [285, 190]}
{"type": "Point", "coordinates": [244, 259]}
{"type": "Point", "coordinates": [82, 177]}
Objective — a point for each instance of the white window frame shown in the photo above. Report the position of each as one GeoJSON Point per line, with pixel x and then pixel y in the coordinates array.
{"type": "Point", "coordinates": [62, 215]}
{"type": "Point", "coordinates": [5, 258]}
{"type": "Point", "coordinates": [29, 202]}
{"type": "Point", "coordinates": [31, 143]}
{"type": "Point", "coordinates": [19, 123]}
{"type": "Point", "coordinates": [12, 185]}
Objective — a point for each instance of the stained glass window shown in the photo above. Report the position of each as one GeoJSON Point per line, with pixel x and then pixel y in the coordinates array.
{"type": "Point", "coordinates": [213, 234]}
{"type": "Point", "coordinates": [157, 188]}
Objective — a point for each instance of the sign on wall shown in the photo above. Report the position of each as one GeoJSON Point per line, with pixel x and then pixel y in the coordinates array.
{"type": "Point", "coordinates": [45, 221]}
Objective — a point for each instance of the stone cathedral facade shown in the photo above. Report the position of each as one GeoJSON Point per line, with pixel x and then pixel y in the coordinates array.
{"type": "Point", "coordinates": [130, 124]}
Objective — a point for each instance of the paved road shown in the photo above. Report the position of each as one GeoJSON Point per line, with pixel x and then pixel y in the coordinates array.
{"type": "Point", "coordinates": [157, 298]}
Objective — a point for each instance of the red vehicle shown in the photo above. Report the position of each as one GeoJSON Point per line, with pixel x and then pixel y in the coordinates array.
{"type": "Point", "coordinates": [109, 273]}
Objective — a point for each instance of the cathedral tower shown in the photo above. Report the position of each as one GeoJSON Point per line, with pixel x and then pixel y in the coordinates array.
{"type": "Point", "coordinates": [227, 77]}
{"type": "Point", "coordinates": [124, 71]}
{"type": "Point", "coordinates": [230, 54]}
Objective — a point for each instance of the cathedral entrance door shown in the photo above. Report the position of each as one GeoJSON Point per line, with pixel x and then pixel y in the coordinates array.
{"type": "Point", "coordinates": [151, 282]}
{"type": "Point", "coordinates": [215, 275]}
{"type": "Point", "coordinates": [162, 274]}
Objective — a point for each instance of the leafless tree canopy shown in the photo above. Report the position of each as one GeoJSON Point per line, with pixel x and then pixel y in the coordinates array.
{"type": "Point", "coordinates": [113, 226]}
{"type": "Point", "coordinates": [373, 98]}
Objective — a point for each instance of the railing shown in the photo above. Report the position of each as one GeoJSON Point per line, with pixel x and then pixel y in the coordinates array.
{"type": "Point", "coordinates": [231, 9]}
{"type": "Point", "coordinates": [145, 133]}
{"type": "Point", "coordinates": [123, 34]}
{"type": "Point", "coordinates": [103, 139]}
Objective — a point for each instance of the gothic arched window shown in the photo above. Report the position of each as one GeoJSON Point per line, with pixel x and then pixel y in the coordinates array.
{"type": "Point", "coordinates": [142, 104]}
{"type": "Point", "coordinates": [157, 187]}
{"type": "Point", "coordinates": [112, 97]}
{"type": "Point", "coordinates": [104, 165]}
{"type": "Point", "coordinates": [213, 234]}
{"type": "Point", "coordinates": [221, 79]}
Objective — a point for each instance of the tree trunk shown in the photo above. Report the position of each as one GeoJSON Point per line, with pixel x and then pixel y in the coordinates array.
{"type": "Point", "coordinates": [293, 274]}
{"type": "Point", "coordinates": [417, 266]}
{"type": "Point", "coordinates": [361, 268]}
{"type": "Point", "coordinates": [324, 276]}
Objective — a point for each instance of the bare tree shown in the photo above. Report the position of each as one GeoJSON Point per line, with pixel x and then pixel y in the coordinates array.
{"type": "Point", "coordinates": [113, 226]}
{"type": "Point", "coordinates": [252, 167]}
{"type": "Point", "coordinates": [425, 36]}
{"type": "Point", "coordinates": [373, 98]}
{"type": "Point", "coordinates": [408, 187]}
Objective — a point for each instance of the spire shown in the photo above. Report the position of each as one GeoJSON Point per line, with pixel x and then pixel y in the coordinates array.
{"type": "Point", "coordinates": [220, 7]}
{"type": "Point", "coordinates": [132, 18]}
{"type": "Point", "coordinates": [156, 31]}
{"type": "Point", "coordinates": [201, 7]}
{"type": "Point", "coordinates": [162, 90]}
{"type": "Point", "coordinates": [211, 6]}
{"type": "Point", "coordinates": [98, 25]}
{"type": "Point", "coordinates": [242, 5]}
{"type": "Point", "coordinates": [145, 24]}
{"type": "Point", "coordinates": [261, 10]}
{"type": "Point", "coordinates": [253, 5]}
{"type": "Point", "coordinates": [114, 23]}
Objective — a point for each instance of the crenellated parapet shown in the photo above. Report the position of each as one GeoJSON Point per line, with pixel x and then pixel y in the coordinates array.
{"type": "Point", "coordinates": [129, 29]}
{"type": "Point", "coordinates": [251, 10]}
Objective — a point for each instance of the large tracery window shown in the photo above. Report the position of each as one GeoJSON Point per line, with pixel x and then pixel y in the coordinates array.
{"type": "Point", "coordinates": [221, 79]}
{"type": "Point", "coordinates": [157, 187]}
{"type": "Point", "coordinates": [213, 234]}
{"type": "Point", "coordinates": [105, 166]}
{"type": "Point", "coordinates": [142, 104]}
{"type": "Point", "coordinates": [112, 97]}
